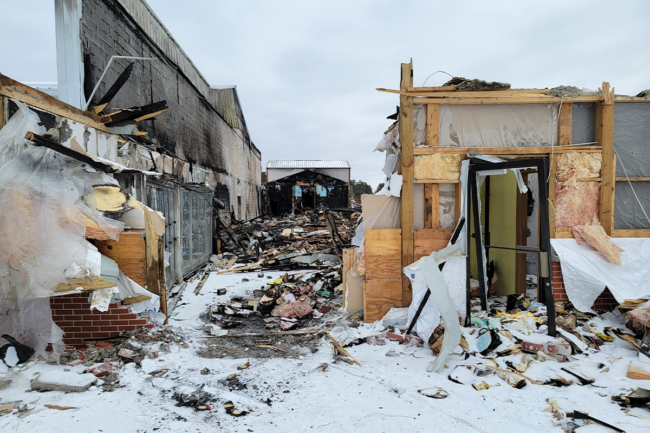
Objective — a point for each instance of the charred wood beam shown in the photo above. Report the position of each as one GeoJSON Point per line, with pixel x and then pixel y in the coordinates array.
{"type": "Point", "coordinates": [136, 113]}
{"type": "Point", "coordinates": [39, 140]}
{"type": "Point", "coordinates": [112, 91]}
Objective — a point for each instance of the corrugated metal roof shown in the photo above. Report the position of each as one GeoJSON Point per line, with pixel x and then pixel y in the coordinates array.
{"type": "Point", "coordinates": [307, 164]}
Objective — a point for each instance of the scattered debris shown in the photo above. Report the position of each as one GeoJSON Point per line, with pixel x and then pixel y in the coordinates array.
{"type": "Point", "coordinates": [62, 381]}
{"type": "Point", "coordinates": [435, 392]}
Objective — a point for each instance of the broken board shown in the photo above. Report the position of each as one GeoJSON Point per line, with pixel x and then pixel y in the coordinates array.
{"type": "Point", "coordinates": [129, 253]}
{"type": "Point", "coordinates": [430, 240]}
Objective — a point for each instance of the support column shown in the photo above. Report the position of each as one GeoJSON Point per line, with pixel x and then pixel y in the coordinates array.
{"type": "Point", "coordinates": [406, 125]}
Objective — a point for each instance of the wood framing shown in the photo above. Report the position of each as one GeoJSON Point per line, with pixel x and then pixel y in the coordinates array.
{"type": "Point", "coordinates": [608, 167]}
{"type": "Point", "coordinates": [565, 124]}
{"type": "Point", "coordinates": [515, 151]}
{"type": "Point", "coordinates": [129, 254]}
{"type": "Point", "coordinates": [155, 262]}
{"type": "Point", "coordinates": [406, 125]}
{"type": "Point", "coordinates": [433, 125]}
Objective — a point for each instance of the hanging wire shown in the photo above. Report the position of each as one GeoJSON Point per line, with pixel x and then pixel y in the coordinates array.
{"type": "Point", "coordinates": [425, 81]}
{"type": "Point", "coordinates": [630, 182]}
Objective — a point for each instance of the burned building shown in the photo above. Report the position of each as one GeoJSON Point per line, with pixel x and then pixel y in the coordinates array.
{"type": "Point", "coordinates": [294, 186]}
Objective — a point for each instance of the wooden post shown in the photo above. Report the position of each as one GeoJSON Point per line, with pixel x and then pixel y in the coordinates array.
{"type": "Point", "coordinates": [551, 195]}
{"type": "Point", "coordinates": [406, 125]}
{"type": "Point", "coordinates": [155, 262]}
{"type": "Point", "coordinates": [606, 132]}
{"type": "Point", "coordinates": [433, 125]}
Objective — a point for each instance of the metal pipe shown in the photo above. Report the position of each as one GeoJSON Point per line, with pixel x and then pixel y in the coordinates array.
{"type": "Point", "coordinates": [106, 70]}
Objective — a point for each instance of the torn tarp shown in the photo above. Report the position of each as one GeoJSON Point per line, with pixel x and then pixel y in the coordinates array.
{"type": "Point", "coordinates": [586, 273]}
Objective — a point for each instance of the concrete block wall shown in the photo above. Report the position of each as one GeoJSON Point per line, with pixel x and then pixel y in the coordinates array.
{"type": "Point", "coordinates": [605, 301]}
{"type": "Point", "coordinates": [192, 129]}
{"type": "Point", "coordinates": [72, 314]}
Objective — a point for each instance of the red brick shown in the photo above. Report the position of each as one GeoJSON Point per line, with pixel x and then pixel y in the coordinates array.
{"type": "Point", "coordinates": [101, 322]}
{"type": "Point", "coordinates": [138, 322]}
{"type": "Point", "coordinates": [149, 326]}
{"type": "Point", "coordinates": [128, 316]}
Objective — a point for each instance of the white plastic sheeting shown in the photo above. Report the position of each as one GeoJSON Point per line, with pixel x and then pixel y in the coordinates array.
{"type": "Point", "coordinates": [586, 273]}
{"type": "Point", "coordinates": [517, 125]}
{"type": "Point", "coordinates": [42, 227]}
{"type": "Point", "coordinates": [420, 125]}
{"type": "Point", "coordinates": [447, 205]}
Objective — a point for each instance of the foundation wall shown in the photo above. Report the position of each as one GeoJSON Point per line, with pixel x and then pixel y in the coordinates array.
{"type": "Point", "coordinates": [605, 301]}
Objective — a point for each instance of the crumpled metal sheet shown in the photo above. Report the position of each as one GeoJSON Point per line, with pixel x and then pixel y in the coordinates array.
{"type": "Point", "coordinates": [582, 165]}
{"type": "Point", "coordinates": [438, 166]}
{"type": "Point", "coordinates": [576, 203]}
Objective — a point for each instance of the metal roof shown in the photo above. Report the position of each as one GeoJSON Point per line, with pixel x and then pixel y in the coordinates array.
{"type": "Point", "coordinates": [308, 164]}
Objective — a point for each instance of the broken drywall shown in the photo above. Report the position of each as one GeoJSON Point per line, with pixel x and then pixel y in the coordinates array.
{"type": "Point", "coordinates": [438, 166]}
{"type": "Point", "coordinates": [576, 203]}
{"type": "Point", "coordinates": [582, 165]}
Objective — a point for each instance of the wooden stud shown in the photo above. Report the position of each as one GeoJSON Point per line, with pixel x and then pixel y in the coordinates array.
{"type": "Point", "coordinates": [551, 195]}
{"type": "Point", "coordinates": [406, 125]}
{"type": "Point", "coordinates": [564, 124]}
{"type": "Point", "coordinates": [608, 167]}
{"type": "Point", "coordinates": [435, 208]}
{"type": "Point", "coordinates": [428, 205]}
{"type": "Point", "coordinates": [435, 181]}
{"type": "Point", "coordinates": [640, 233]}
{"type": "Point", "coordinates": [458, 205]}
{"type": "Point", "coordinates": [433, 125]}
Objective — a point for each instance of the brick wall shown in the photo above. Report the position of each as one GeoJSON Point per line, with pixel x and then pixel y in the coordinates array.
{"type": "Point", "coordinates": [192, 129]}
{"type": "Point", "coordinates": [72, 314]}
{"type": "Point", "coordinates": [605, 301]}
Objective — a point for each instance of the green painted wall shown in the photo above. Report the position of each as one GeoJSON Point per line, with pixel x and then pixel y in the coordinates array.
{"type": "Point", "coordinates": [503, 223]}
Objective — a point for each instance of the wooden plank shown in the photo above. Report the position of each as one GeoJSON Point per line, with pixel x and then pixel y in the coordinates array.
{"type": "Point", "coordinates": [380, 297]}
{"type": "Point", "coordinates": [564, 233]}
{"type": "Point", "coordinates": [505, 100]}
{"type": "Point", "coordinates": [564, 125]}
{"type": "Point", "coordinates": [383, 254]}
{"type": "Point", "coordinates": [454, 92]}
{"type": "Point", "coordinates": [507, 150]}
{"type": "Point", "coordinates": [155, 262]}
{"type": "Point", "coordinates": [480, 94]}
{"type": "Point", "coordinates": [406, 125]}
{"type": "Point", "coordinates": [551, 195]}
{"type": "Point", "coordinates": [430, 240]}
{"type": "Point", "coordinates": [16, 90]}
{"type": "Point", "coordinates": [85, 283]}
{"type": "Point", "coordinates": [433, 125]}
{"type": "Point", "coordinates": [129, 254]}
{"type": "Point", "coordinates": [633, 179]}
{"type": "Point", "coordinates": [434, 181]}
{"type": "Point", "coordinates": [202, 283]}
{"type": "Point", "coordinates": [608, 166]}
{"type": "Point", "coordinates": [638, 233]}
{"type": "Point", "coordinates": [431, 89]}
{"type": "Point", "coordinates": [521, 225]}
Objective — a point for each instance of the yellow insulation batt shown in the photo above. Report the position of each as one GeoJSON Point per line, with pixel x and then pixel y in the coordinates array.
{"type": "Point", "coordinates": [595, 236]}
{"type": "Point", "coordinates": [438, 166]}
{"type": "Point", "coordinates": [576, 203]}
{"type": "Point", "coordinates": [582, 165]}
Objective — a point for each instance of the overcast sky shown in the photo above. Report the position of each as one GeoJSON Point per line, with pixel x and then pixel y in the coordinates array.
{"type": "Point", "coordinates": [306, 71]}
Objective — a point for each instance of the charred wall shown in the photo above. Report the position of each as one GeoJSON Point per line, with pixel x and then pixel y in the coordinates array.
{"type": "Point", "coordinates": [306, 190]}
{"type": "Point", "coordinates": [191, 129]}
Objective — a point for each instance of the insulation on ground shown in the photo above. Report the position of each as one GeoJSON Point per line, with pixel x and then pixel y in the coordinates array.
{"type": "Point", "coordinates": [581, 165]}
{"type": "Point", "coordinates": [595, 236]}
{"type": "Point", "coordinates": [438, 166]}
{"type": "Point", "coordinates": [576, 203]}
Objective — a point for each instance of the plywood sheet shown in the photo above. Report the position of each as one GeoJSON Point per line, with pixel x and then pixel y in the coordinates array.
{"type": "Point", "coordinates": [428, 241]}
{"type": "Point", "coordinates": [439, 166]}
{"type": "Point", "coordinates": [129, 253]}
{"type": "Point", "coordinates": [582, 165]}
{"type": "Point", "coordinates": [383, 254]}
{"type": "Point", "coordinates": [380, 297]}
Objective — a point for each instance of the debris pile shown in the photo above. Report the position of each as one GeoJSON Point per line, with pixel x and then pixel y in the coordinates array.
{"type": "Point", "coordinates": [292, 242]}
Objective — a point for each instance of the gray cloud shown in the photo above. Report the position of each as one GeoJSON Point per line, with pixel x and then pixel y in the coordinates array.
{"type": "Point", "coordinates": [306, 70]}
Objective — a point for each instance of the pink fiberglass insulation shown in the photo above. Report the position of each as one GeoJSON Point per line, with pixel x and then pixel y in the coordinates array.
{"type": "Point", "coordinates": [595, 236]}
{"type": "Point", "coordinates": [576, 203]}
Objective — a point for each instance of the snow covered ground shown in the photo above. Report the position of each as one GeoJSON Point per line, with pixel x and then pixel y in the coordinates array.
{"type": "Point", "coordinates": [300, 394]}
